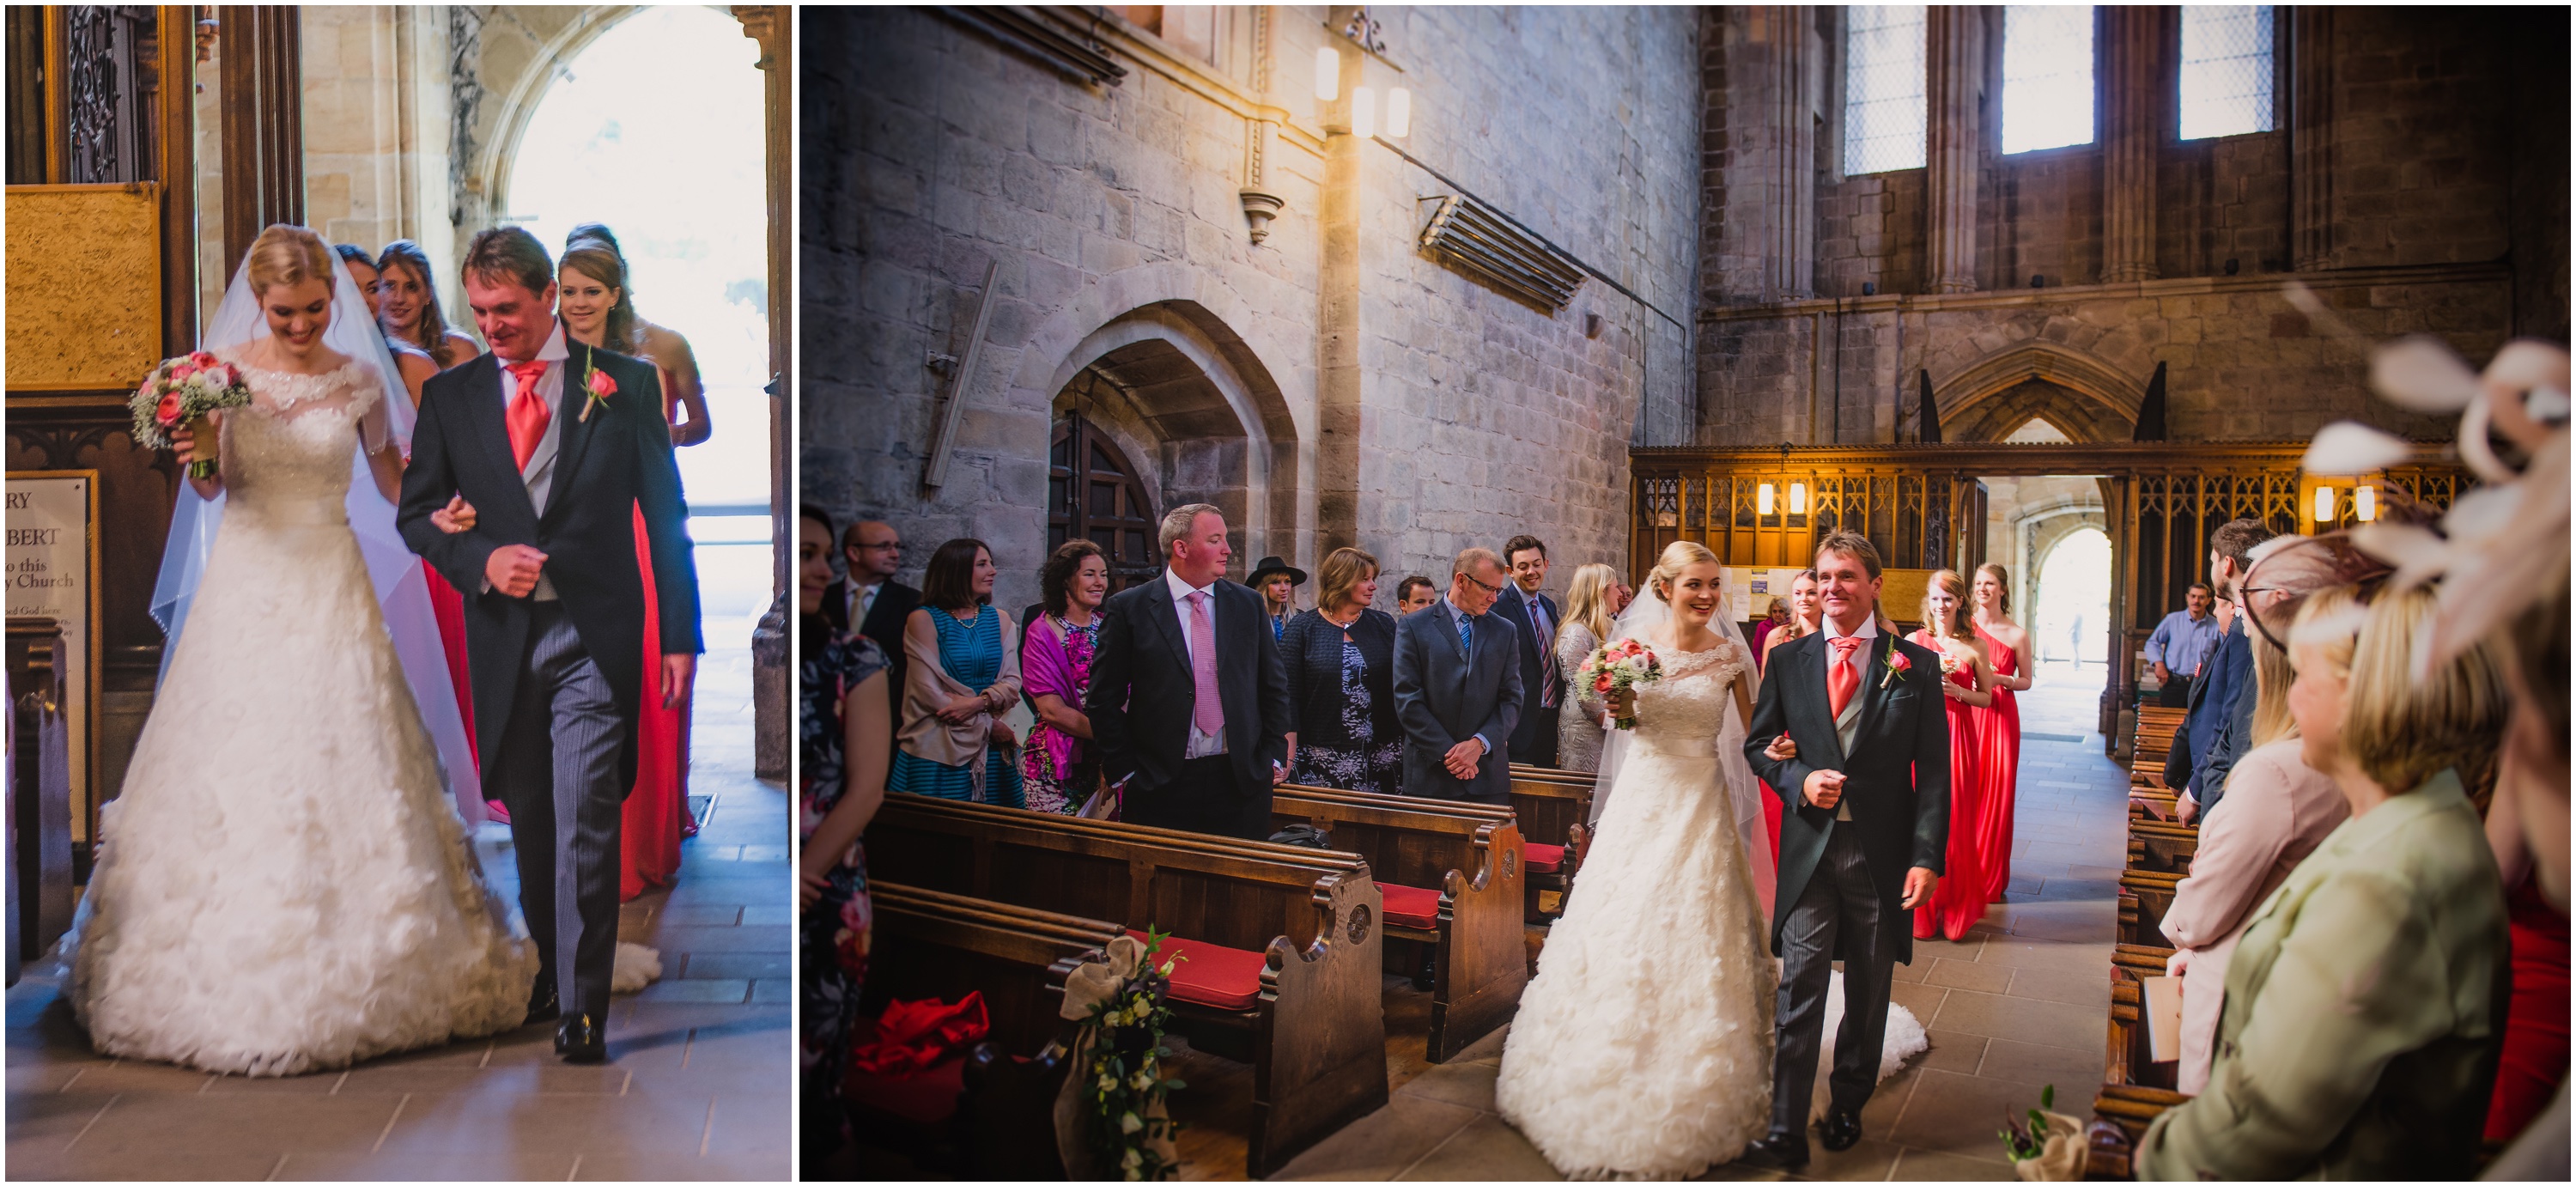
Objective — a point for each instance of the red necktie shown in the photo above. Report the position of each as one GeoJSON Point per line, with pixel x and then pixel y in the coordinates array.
{"type": "Point", "coordinates": [528, 414]}
{"type": "Point", "coordinates": [1844, 678]}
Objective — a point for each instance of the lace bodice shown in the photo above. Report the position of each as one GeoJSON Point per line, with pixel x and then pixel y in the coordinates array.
{"type": "Point", "coordinates": [288, 456]}
{"type": "Point", "coordinates": [1686, 709]}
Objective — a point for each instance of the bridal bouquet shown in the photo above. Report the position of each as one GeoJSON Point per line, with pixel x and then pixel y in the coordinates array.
{"type": "Point", "coordinates": [183, 390]}
{"type": "Point", "coordinates": [1621, 665]}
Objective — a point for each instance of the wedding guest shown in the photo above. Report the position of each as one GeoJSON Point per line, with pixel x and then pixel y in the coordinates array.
{"type": "Point", "coordinates": [869, 600]}
{"type": "Point", "coordinates": [415, 366]}
{"type": "Point", "coordinates": [2008, 652]}
{"type": "Point", "coordinates": [2231, 552]}
{"type": "Point", "coordinates": [1774, 617]}
{"type": "Point", "coordinates": [1340, 658]}
{"type": "Point", "coordinates": [1542, 682]}
{"type": "Point", "coordinates": [2179, 642]}
{"type": "Point", "coordinates": [2282, 810]}
{"type": "Point", "coordinates": [1587, 625]}
{"type": "Point", "coordinates": [1458, 686]}
{"type": "Point", "coordinates": [1189, 699]}
{"type": "Point", "coordinates": [2361, 1024]}
{"type": "Point", "coordinates": [1959, 898]}
{"type": "Point", "coordinates": [1619, 604]}
{"type": "Point", "coordinates": [407, 306]}
{"type": "Point", "coordinates": [1276, 580]}
{"type": "Point", "coordinates": [1057, 768]}
{"type": "Point", "coordinates": [1806, 616]}
{"type": "Point", "coordinates": [845, 744]}
{"type": "Point", "coordinates": [959, 680]}
{"type": "Point", "coordinates": [1416, 593]}
{"type": "Point", "coordinates": [601, 291]}
{"type": "Point", "coordinates": [591, 297]}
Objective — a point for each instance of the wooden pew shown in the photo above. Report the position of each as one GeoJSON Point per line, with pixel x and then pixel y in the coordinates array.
{"type": "Point", "coordinates": [2144, 898]}
{"type": "Point", "coordinates": [2134, 1089]}
{"type": "Point", "coordinates": [1474, 854]}
{"type": "Point", "coordinates": [2156, 729]}
{"type": "Point", "coordinates": [1555, 812]}
{"type": "Point", "coordinates": [992, 1115]}
{"type": "Point", "coordinates": [2162, 847]}
{"type": "Point", "coordinates": [1282, 945]}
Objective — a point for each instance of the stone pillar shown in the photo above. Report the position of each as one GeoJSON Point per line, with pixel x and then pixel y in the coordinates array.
{"type": "Point", "coordinates": [1956, 58]}
{"type": "Point", "coordinates": [1762, 67]}
{"type": "Point", "coordinates": [1340, 377]}
{"type": "Point", "coordinates": [2135, 99]}
{"type": "Point", "coordinates": [1789, 71]}
{"type": "Point", "coordinates": [2312, 137]}
{"type": "Point", "coordinates": [263, 122]}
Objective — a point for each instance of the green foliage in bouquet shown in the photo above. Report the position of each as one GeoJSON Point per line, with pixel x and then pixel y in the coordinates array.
{"type": "Point", "coordinates": [2023, 1142]}
{"type": "Point", "coordinates": [1124, 1084]}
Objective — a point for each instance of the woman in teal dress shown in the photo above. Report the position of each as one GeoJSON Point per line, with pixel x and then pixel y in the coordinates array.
{"type": "Point", "coordinates": [960, 679]}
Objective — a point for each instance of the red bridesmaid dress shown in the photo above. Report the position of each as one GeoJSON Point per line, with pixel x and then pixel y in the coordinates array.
{"type": "Point", "coordinates": [657, 810]}
{"type": "Point", "coordinates": [448, 606]}
{"type": "Point", "coordinates": [2535, 1022]}
{"type": "Point", "coordinates": [1959, 897]}
{"type": "Point", "coordinates": [1999, 743]}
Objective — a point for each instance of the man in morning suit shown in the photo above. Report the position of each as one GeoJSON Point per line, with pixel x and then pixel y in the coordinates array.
{"type": "Point", "coordinates": [1189, 699]}
{"type": "Point", "coordinates": [1866, 802]}
{"type": "Point", "coordinates": [1534, 738]}
{"type": "Point", "coordinates": [1458, 687]}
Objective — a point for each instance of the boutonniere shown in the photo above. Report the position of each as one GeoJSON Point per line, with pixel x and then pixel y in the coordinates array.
{"type": "Point", "coordinates": [598, 384]}
{"type": "Point", "coordinates": [1897, 665]}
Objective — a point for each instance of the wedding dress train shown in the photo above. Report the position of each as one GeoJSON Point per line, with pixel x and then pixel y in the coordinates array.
{"type": "Point", "coordinates": [283, 884]}
{"type": "Point", "coordinates": [1643, 1047]}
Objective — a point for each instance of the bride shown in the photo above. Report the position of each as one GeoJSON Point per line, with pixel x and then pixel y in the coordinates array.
{"type": "Point", "coordinates": [1643, 1048]}
{"type": "Point", "coordinates": [283, 884]}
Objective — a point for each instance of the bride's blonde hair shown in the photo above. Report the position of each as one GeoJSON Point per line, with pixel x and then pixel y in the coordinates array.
{"type": "Point", "coordinates": [286, 254]}
{"type": "Point", "coordinates": [1678, 555]}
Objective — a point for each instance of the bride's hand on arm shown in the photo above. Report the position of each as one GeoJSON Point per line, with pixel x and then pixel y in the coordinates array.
{"type": "Point", "coordinates": [456, 518]}
{"type": "Point", "coordinates": [1781, 749]}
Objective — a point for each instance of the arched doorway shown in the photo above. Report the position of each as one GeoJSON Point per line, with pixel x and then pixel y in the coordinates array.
{"type": "Point", "coordinates": [1094, 493]}
{"type": "Point", "coordinates": [647, 128]}
{"type": "Point", "coordinates": [2072, 611]}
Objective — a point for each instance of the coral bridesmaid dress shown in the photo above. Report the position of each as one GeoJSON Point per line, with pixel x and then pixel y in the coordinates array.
{"type": "Point", "coordinates": [657, 810]}
{"type": "Point", "coordinates": [1999, 742]}
{"type": "Point", "coordinates": [1959, 897]}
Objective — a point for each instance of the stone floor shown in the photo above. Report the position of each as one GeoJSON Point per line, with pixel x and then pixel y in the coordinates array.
{"type": "Point", "coordinates": [2019, 1005]}
{"type": "Point", "coordinates": [697, 1086]}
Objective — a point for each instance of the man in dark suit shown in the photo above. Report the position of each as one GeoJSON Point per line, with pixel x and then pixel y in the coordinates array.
{"type": "Point", "coordinates": [1534, 738]}
{"type": "Point", "coordinates": [1458, 687]}
{"type": "Point", "coordinates": [554, 444]}
{"type": "Point", "coordinates": [1189, 699]}
{"type": "Point", "coordinates": [2222, 718]}
{"type": "Point", "coordinates": [874, 599]}
{"type": "Point", "coordinates": [1867, 812]}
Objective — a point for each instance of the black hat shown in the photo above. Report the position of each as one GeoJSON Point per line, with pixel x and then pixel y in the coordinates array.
{"type": "Point", "coordinates": [1273, 564]}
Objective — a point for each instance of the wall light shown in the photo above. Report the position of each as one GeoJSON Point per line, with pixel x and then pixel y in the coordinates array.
{"type": "Point", "coordinates": [1797, 498]}
{"type": "Point", "coordinates": [1762, 500]}
{"type": "Point", "coordinates": [1363, 112]}
{"type": "Point", "coordinates": [2365, 503]}
{"type": "Point", "coordinates": [1399, 112]}
{"type": "Point", "coordinates": [1328, 73]}
{"type": "Point", "coordinates": [2325, 508]}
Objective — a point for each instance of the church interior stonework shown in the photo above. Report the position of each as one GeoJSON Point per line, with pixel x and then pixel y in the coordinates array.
{"type": "Point", "coordinates": [2161, 374]}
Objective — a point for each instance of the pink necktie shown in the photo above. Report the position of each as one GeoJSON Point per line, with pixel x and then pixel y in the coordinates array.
{"type": "Point", "coordinates": [1209, 713]}
{"type": "Point", "coordinates": [1841, 681]}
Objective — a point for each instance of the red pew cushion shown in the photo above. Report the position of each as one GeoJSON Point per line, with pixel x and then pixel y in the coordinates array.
{"type": "Point", "coordinates": [1543, 858]}
{"type": "Point", "coordinates": [1410, 908]}
{"type": "Point", "coordinates": [1207, 974]}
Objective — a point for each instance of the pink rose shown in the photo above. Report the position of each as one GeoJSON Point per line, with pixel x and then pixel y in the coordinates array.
{"type": "Point", "coordinates": [180, 371]}
{"type": "Point", "coordinates": [168, 412]}
{"type": "Point", "coordinates": [1602, 684]}
{"type": "Point", "coordinates": [601, 386]}
{"type": "Point", "coordinates": [202, 359]}
{"type": "Point", "coordinates": [1897, 662]}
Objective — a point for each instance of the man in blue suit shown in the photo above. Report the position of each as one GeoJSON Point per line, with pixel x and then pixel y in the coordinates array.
{"type": "Point", "coordinates": [1458, 687]}
{"type": "Point", "coordinates": [2223, 696]}
{"type": "Point", "coordinates": [1542, 685]}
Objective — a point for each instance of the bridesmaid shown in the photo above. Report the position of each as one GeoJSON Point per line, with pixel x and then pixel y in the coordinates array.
{"type": "Point", "coordinates": [958, 683]}
{"type": "Point", "coordinates": [1806, 616]}
{"type": "Point", "coordinates": [2008, 651]}
{"type": "Point", "coordinates": [1057, 766]}
{"type": "Point", "coordinates": [407, 307]}
{"type": "Point", "coordinates": [597, 312]}
{"type": "Point", "coordinates": [1959, 899]}
{"type": "Point", "coordinates": [684, 396]}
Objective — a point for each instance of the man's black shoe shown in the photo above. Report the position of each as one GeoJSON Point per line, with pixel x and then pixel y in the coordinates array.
{"type": "Point", "coordinates": [1779, 1151]}
{"type": "Point", "coordinates": [579, 1040]}
{"type": "Point", "coordinates": [1838, 1131]}
{"type": "Point", "coordinates": [542, 1005]}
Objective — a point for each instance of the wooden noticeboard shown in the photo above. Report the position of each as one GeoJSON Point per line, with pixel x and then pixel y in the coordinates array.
{"type": "Point", "coordinates": [52, 572]}
{"type": "Point", "coordinates": [84, 286]}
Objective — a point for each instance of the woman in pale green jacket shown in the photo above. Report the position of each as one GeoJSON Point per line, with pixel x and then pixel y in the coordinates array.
{"type": "Point", "coordinates": [2365, 1003]}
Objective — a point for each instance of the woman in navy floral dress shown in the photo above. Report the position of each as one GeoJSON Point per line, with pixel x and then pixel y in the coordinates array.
{"type": "Point", "coordinates": [846, 739]}
{"type": "Point", "coordinates": [1340, 658]}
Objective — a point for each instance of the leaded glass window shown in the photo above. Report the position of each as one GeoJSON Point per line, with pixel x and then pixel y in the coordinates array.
{"type": "Point", "coordinates": [1883, 112]}
{"type": "Point", "coordinates": [2226, 70]}
{"type": "Point", "coordinates": [2048, 76]}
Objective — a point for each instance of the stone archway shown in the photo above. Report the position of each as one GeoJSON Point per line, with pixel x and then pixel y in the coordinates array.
{"type": "Point", "coordinates": [2082, 396]}
{"type": "Point", "coordinates": [1197, 410]}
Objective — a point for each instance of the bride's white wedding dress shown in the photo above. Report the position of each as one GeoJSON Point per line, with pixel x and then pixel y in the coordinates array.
{"type": "Point", "coordinates": [1643, 1047]}
{"type": "Point", "coordinates": [283, 884]}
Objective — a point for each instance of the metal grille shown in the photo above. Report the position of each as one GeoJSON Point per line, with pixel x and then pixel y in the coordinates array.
{"type": "Point", "coordinates": [2226, 70]}
{"type": "Point", "coordinates": [1883, 107]}
{"type": "Point", "coordinates": [1481, 241]}
{"type": "Point", "coordinates": [2048, 76]}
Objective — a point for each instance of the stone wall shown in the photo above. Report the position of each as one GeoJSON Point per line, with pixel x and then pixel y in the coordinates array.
{"type": "Point", "coordinates": [2446, 199]}
{"type": "Point", "coordinates": [1331, 384]}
